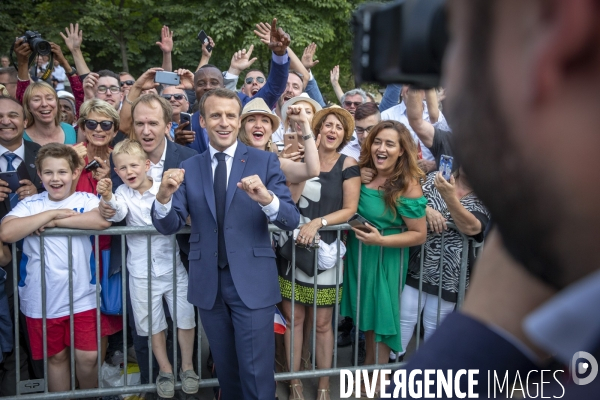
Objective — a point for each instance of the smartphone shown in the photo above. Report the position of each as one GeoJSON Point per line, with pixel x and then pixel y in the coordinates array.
{"type": "Point", "coordinates": [166, 78]}
{"type": "Point", "coordinates": [446, 166]}
{"type": "Point", "coordinates": [203, 38]}
{"type": "Point", "coordinates": [185, 117]}
{"type": "Point", "coordinates": [358, 221]}
{"type": "Point", "coordinates": [12, 179]}
{"type": "Point", "coordinates": [291, 138]}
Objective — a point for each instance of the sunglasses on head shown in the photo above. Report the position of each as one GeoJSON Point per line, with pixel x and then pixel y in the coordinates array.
{"type": "Point", "coordinates": [259, 79]}
{"type": "Point", "coordinates": [352, 103]}
{"type": "Point", "coordinates": [177, 96]}
{"type": "Point", "coordinates": [104, 89]}
{"type": "Point", "coordinates": [104, 125]}
{"type": "Point", "coordinates": [128, 83]}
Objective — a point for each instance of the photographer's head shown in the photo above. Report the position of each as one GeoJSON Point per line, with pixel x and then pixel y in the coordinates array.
{"type": "Point", "coordinates": [523, 80]}
{"type": "Point", "coordinates": [109, 88]}
{"type": "Point", "coordinates": [12, 123]}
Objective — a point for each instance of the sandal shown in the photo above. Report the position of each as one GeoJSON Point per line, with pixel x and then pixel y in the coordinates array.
{"type": "Point", "coordinates": [296, 394]}
{"type": "Point", "coordinates": [323, 394]}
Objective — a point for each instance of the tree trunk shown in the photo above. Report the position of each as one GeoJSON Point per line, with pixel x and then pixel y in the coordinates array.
{"type": "Point", "coordinates": [123, 45]}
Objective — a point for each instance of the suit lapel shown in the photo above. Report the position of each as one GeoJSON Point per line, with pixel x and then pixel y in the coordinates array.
{"type": "Point", "coordinates": [206, 176]}
{"type": "Point", "coordinates": [30, 155]}
{"type": "Point", "coordinates": [171, 157]}
{"type": "Point", "coordinates": [237, 169]}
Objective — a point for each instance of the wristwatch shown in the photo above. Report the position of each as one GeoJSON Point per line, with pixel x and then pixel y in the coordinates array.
{"type": "Point", "coordinates": [323, 222]}
{"type": "Point", "coordinates": [306, 137]}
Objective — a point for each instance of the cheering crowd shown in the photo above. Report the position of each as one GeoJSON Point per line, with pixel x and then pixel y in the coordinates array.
{"type": "Point", "coordinates": [86, 149]}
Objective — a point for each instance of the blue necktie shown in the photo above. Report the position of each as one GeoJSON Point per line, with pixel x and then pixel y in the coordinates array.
{"type": "Point", "coordinates": [220, 188]}
{"type": "Point", "coordinates": [13, 197]}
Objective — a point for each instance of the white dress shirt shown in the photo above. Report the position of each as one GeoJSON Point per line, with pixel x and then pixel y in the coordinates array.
{"type": "Point", "coordinates": [156, 170]}
{"type": "Point", "coordinates": [398, 113]}
{"type": "Point", "coordinates": [20, 152]}
{"type": "Point", "coordinates": [135, 207]}
{"type": "Point", "coordinates": [352, 149]}
{"type": "Point", "coordinates": [271, 209]}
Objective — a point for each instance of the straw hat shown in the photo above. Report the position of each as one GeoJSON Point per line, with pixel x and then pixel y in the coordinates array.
{"type": "Point", "coordinates": [297, 99]}
{"type": "Point", "coordinates": [258, 106]}
{"type": "Point", "coordinates": [340, 113]}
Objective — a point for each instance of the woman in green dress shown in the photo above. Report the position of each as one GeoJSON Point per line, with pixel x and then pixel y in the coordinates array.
{"type": "Point", "coordinates": [393, 198]}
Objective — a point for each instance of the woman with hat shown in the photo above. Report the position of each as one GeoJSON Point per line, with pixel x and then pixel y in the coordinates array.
{"type": "Point", "coordinates": [329, 199]}
{"type": "Point", "coordinates": [256, 131]}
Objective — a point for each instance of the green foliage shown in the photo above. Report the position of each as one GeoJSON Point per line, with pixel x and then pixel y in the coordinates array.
{"type": "Point", "coordinates": [121, 34]}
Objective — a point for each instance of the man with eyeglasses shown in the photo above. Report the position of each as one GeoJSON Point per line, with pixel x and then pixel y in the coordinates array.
{"type": "Point", "coordinates": [103, 85]}
{"type": "Point", "coordinates": [179, 102]}
{"type": "Point", "coordinates": [352, 99]}
{"type": "Point", "coordinates": [126, 81]}
{"type": "Point", "coordinates": [365, 118]}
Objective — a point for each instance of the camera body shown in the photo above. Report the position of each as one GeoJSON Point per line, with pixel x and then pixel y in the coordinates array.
{"type": "Point", "coordinates": [400, 42]}
{"type": "Point", "coordinates": [37, 43]}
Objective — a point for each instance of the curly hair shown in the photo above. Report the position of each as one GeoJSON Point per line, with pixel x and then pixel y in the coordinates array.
{"type": "Point", "coordinates": [406, 169]}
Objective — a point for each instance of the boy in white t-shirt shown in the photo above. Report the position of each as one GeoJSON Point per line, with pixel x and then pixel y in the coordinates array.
{"type": "Point", "coordinates": [59, 206]}
{"type": "Point", "coordinates": [133, 201]}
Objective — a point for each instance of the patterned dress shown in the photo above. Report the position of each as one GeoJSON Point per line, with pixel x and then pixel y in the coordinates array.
{"type": "Point", "coordinates": [321, 196]}
{"type": "Point", "coordinates": [383, 270]}
{"type": "Point", "coordinates": [453, 246]}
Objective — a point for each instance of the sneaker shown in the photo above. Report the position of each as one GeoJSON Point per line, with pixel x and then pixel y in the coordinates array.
{"type": "Point", "coordinates": [189, 381]}
{"type": "Point", "coordinates": [165, 385]}
{"type": "Point", "coordinates": [362, 353]}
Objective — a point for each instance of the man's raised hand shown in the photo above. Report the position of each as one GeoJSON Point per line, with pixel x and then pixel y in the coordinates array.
{"type": "Point", "coordinates": [171, 181]}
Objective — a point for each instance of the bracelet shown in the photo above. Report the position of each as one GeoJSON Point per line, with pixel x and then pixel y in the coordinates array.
{"type": "Point", "coordinates": [127, 100]}
{"type": "Point", "coordinates": [23, 80]}
{"type": "Point", "coordinates": [306, 137]}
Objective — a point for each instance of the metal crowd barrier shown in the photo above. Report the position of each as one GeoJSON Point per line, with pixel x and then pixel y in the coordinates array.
{"type": "Point", "coordinates": [38, 388]}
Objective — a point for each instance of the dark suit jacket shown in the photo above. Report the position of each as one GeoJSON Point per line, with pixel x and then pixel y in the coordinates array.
{"type": "Point", "coordinates": [249, 252]}
{"type": "Point", "coordinates": [26, 170]}
{"type": "Point", "coordinates": [176, 154]}
{"type": "Point", "coordinates": [270, 93]}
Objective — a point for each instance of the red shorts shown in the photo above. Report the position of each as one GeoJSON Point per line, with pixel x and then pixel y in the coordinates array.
{"type": "Point", "coordinates": [58, 334]}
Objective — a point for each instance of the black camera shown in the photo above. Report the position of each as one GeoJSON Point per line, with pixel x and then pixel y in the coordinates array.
{"type": "Point", "coordinates": [37, 44]}
{"type": "Point", "coordinates": [400, 42]}
{"type": "Point", "coordinates": [92, 166]}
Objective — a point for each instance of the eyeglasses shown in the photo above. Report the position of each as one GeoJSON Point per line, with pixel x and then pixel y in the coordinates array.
{"type": "Point", "coordinates": [104, 89]}
{"type": "Point", "coordinates": [360, 131]}
{"type": "Point", "coordinates": [259, 79]}
{"type": "Point", "coordinates": [177, 96]}
{"type": "Point", "coordinates": [104, 125]}
{"type": "Point", "coordinates": [352, 103]}
{"type": "Point", "coordinates": [128, 83]}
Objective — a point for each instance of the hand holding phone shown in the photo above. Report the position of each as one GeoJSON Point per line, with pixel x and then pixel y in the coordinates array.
{"type": "Point", "coordinates": [357, 221]}
{"type": "Point", "coordinates": [167, 78]}
{"type": "Point", "coordinates": [446, 166]}
{"type": "Point", "coordinates": [203, 38]}
{"type": "Point", "coordinates": [290, 139]}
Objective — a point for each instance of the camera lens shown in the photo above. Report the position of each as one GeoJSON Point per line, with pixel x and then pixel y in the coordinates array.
{"type": "Point", "coordinates": [41, 46]}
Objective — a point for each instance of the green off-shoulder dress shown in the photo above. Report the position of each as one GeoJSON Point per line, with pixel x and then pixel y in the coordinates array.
{"type": "Point", "coordinates": [380, 280]}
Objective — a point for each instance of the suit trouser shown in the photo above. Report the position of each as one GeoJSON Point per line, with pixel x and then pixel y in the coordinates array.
{"type": "Point", "coordinates": [242, 343]}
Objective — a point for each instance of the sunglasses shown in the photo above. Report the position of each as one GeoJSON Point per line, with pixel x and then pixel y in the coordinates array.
{"type": "Point", "coordinates": [177, 96]}
{"type": "Point", "coordinates": [128, 83]}
{"type": "Point", "coordinates": [104, 89]}
{"type": "Point", "coordinates": [104, 125]}
{"type": "Point", "coordinates": [360, 130]}
{"type": "Point", "coordinates": [352, 103]}
{"type": "Point", "coordinates": [259, 79]}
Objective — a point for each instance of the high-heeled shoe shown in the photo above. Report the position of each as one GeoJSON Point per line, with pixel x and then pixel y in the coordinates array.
{"type": "Point", "coordinates": [323, 394]}
{"type": "Point", "coordinates": [296, 394]}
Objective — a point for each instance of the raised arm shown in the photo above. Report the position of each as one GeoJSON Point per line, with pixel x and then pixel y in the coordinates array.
{"type": "Point", "coordinates": [297, 172]}
{"type": "Point", "coordinates": [433, 106]}
{"type": "Point", "coordinates": [414, 111]}
{"type": "Point", "coordinates": [166, 46]}
{"type": "Point", "coordinates": [334, 78]}
{"type": "Point", "coordinates": [73, 40]}
{"type": "Point", "coordinates": [145, 81]}
{"type": "Point", "coordinates": [115, 202]}
{"type": "Point", "coordinates": [312, 89]}
{"type": "Point", "coordinates": [23, 51]}
{"type": "Point", "coordinates": [205, 58]}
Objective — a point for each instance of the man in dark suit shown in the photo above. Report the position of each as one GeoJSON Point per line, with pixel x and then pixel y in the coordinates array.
{"type": "Point", "coordinates": [151, 123]}
{"type": "Point", "coordinates": [16, 155]}
{"type": "Point", "coordinates": [231, 192]}
{"type": "Point", "coordinates": [522, 84]}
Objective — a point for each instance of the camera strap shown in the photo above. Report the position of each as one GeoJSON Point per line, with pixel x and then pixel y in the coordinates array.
{"type": "Point", "coordinates": [32, 62]}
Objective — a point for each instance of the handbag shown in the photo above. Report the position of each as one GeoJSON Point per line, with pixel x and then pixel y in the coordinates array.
{"type": "Point", "coordinates": [305, 258]}
{"type": "Point", "coordinates": [111, 296]}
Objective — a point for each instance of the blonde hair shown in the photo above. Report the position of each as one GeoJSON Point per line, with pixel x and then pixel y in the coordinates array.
{"type": "Point", "coordinates": [130, 147]}
{"type": "Point", "coordinates": [100, 107]}
{"type": "Point", "coordinates": [243, 136]}
{"type": "Point", "coordinates": [44, 87]}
